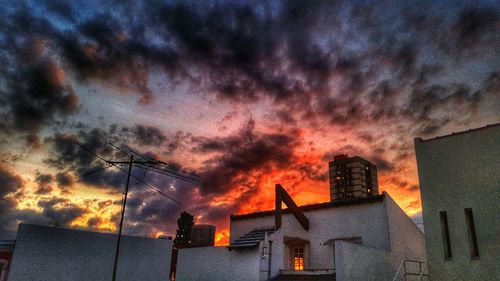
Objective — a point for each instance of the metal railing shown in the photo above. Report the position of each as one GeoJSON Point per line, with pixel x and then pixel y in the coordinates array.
{"type": "Point", "coordinates": [403, 269]}
{"type": "Point", "coordinates": [308, 271]}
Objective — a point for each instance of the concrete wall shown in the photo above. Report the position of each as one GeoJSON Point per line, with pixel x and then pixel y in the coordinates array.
{"type": "Point", "coordinates": [406, 239]}
{"type": "Point", "coordinates": [217, 263]}
{"type": "Point", "coordinates": [358, 262]}
{"type": "Point", "coordinates": [457, 172]}
{"type": "Point", "coordinates": [368, 221]}
{"type": "Point", "coordinates": [56, 254]}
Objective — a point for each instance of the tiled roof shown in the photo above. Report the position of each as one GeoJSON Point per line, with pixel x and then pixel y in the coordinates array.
{"type": "Point", "coordinates": [252, 238]}
{"type": "Point", "coordinates": [313, 207]}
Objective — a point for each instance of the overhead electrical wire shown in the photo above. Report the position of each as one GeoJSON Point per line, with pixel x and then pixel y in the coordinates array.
{"type": "Point", "coordinates": [138, 179]}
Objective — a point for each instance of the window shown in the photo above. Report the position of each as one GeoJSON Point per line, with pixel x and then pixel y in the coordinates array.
{"type": "Point", "coordinates": [471, 232]}
{"type": "Point", "coordinates": [298, 258]}
{"type": "Point", "coordinates": [445, 233]}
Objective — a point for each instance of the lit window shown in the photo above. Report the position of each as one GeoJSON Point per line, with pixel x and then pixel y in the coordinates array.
{"type": "Point", "coordinates": [298, 258]}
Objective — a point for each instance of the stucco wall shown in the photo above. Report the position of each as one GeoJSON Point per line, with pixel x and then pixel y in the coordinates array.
{"type": "Point", "coordinates": [358, 262]}
{"type": "Point", "coordinates": [406, 239]}
{"type": "Point", "coordinates": [56, 254]}
{"type": "Point", "coordinates": [457, 172]}
{"type": "Point", "coordinates": [368, 221]}
{"type": "Point", "coordinates": [217, 263]}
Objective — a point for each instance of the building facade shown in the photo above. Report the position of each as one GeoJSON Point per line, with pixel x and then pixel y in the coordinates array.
{"type": "Point", "coordinates": [58, 254]}
{"type": "Point", "coordinates": [352, 177]}
{"type": "Point", "coordinates": [202, 235]}
{"type": "Point", "coordinates": [358, 239]}
{"type": "Point", "coordinates": [460, 188]}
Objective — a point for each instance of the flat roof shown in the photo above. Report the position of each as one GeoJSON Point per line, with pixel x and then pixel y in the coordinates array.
{"type": "Point", "coordinates": [314, 207]}
{"type": "Point", "coordinates": [458, 133]}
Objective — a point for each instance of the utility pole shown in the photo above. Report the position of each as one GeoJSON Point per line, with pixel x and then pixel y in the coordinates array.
{"type": "Point", "coordinates": [147, 164]}
{"type": "Point", "coordinates": [121, 219]}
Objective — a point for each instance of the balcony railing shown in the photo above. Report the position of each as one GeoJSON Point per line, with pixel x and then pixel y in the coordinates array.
{"type": "Point", "coordinates": [308, 271]}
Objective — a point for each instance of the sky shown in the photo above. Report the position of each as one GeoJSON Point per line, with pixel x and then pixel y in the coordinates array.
{"type": "Point", "coordinates": [247, 94]}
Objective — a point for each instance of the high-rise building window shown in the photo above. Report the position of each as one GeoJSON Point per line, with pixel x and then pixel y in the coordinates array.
{"type": "Point", "coordinates": [471, 232]}
{"type": "Point", "coordinates": [445, 233]}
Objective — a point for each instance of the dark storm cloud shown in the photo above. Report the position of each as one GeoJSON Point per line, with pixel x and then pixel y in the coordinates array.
{"type": "Point", "coordinates": [243, 153]}
{"type": "Point", "coordinates": [34, 89]}
{"type": "Point", "coordinates": [60, 211]}
{"type": "Point", "coordinates": [403, 184]}
{"type": "Point", "coordinates": [80, 165]}
{"type": "Point", "coordinates": [44, 182]}
{"type": "Point", "coordinates": [322, 63]}
{"type": "Point", "coordinates": [37, 94]}
{"type": "Point", "coordinates": [425, 102]}
{"type": "Point", "coordinates": [9, 182]}
{"type": "Point", "coordinates": [474, 23]}
{"type": "Point", "coordinates": [94, 222]}
{"type": "Point", "coordinates": [146, 135]}
{"type": "Point", "coordinates": [382, 164]}
{"type": "Point", "coordinates": [492, 84]}
{"type": "Point", "coordinates": [286, 52]}
{"type": "Point", "coordinates": [64, 179]}
{"type": "Point", "coordinates": [62, 9]}
{"type": "Point", "coordinates": [67, 154]}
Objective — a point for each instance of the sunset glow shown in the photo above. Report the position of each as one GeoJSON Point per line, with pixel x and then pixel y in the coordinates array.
{"type": "Point", "coordinates": [244, 94]}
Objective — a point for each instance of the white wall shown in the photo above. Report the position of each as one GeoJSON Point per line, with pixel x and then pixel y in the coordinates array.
{"type": "Point", "coordinates": [56, 254]}
{"type": "Point", "coordinates": [358, 262]}
{"type": "Point", "coordinates": [457, 172]}
{"type": "Point", "coordinates": [368, 220]}
{"type": "Point", "coordinates": [387, 235]}
{"type": "Point", "coordinates": [406, 239]}
{"type": "Point", "coordinates": [218, 263]}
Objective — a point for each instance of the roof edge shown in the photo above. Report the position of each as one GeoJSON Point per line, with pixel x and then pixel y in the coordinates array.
{"type": "Point", "coordinates": [419, 139]}
{"type": "Point", "coordinates": [313, 207]}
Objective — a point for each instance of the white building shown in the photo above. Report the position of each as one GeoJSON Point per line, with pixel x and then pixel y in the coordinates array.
{"type": "Point", "coordinates": [56, 254]}
{"type": "Point", "coordinates": [356, 239]}
{"type": "Point", "coordinates": [460, 188]}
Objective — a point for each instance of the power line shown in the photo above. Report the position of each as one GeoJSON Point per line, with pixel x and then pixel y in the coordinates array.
{"type": "Point", "coordinates": [89, 151]}
{"type": "Point", "coordinates": [150, 186]}
{"type": "Point", "coordinates": [95, 171]}
{"type": "Point", "coordinates": [147, 164]}
{"type": "Point", "coordinates": [118, 149]}
{"type": "Point", "coordinates": [166, 165]}
{"type": "Point", "coordinates": [167, 173]}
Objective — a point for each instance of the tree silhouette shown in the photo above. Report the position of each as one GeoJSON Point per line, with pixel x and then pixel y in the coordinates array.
{"type": "Point", "coordinates": [182, 239]}
{"type": "Point", "coordinates": [183, 234]}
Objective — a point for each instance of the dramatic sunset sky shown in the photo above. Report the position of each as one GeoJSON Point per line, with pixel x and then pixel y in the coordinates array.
{"type": "Point", "coordinates": [245, 93]}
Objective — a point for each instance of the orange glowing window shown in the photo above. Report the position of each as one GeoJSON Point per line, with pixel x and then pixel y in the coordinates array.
{"type": "Point", "coordinates": [298, 258]}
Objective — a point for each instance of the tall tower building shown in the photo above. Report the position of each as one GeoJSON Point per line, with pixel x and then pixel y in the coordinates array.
{"type": "Point", "coordinates": [352, 177]}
